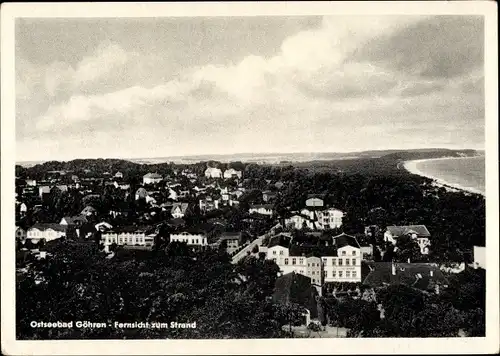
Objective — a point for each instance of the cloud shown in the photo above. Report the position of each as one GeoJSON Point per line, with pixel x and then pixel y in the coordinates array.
{"type": "Point", "coordinates": [350, 82]}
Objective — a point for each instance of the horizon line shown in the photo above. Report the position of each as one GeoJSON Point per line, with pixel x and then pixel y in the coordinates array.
{"type": "Point", "coordinates": [206, 155]}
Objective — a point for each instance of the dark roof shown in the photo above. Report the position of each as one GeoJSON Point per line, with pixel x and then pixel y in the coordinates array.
{"type": "Point", "coordinates": [176, 222]}
{"type": "Point", "coordinates": [258, 206]}
{"type": "Point", "coordinates": [420, 230]}
{"type": "Point", "coordinates": [231, 235]}
{"type": "Point", "coordinates": [47, 226]}
{"type": "Point", "coordinates": [345, 240]}
{"type": "Point", "coordinates": [313, 250]}
{"type": "Point", "coordinates": [319, 196]}
{"type": "Point", "coordinates": [416, 275]}
{"type": "Point", "coordinates": [280, 239]}
{"type": "Point", "coordinates": [132, 228]}
{"type": "Point", "coordinates": [296, 288]}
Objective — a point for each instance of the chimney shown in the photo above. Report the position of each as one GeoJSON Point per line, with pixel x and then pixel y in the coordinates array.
{"type": "Point", "coordinates": [393, 269]}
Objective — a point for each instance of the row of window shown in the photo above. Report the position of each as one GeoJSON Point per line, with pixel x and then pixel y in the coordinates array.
{"type": "Point", "coordinates": [348, 262]}
{"type": "Point", "coordinates": [191, 241]}
{"type": "Point", "coordinates": [348, 274]}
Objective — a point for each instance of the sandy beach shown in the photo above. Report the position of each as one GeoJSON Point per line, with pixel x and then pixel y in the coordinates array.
{"type": "Point", "coordinates": [412, 167]}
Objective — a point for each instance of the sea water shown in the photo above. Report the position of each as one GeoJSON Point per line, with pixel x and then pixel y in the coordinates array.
{"type": "Point", "coordinates": [467, 173]}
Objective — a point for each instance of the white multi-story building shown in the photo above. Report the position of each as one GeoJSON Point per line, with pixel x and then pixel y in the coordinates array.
{"type": "Point", "coordinates": [343, 265]}
{"type": "Point", "coordinates": [230, 173]}
{"type": "Point", "coordinates": [151, 178]}
{"type": "Point", "coordinates": [128, 236]}
{"type": "Point", "coordinates": [190, 238]}
{"type": "Point", "coordinates": [48, 232]}
{"type": "Point", "coordinates": [262, 209]}
{"type": "Point", "coordinates": [316, 219]}
{"type": "Point", "coordinates": [211, 172]}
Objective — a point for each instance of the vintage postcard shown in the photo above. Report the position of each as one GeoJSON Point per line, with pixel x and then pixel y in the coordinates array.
{"type": "Point", "coordinates": [249, 178]}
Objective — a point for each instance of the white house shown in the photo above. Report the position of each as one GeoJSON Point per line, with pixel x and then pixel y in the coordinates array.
{"type": "Point", "coordinates": [103, 226]}
{"type": "Point", "coordinates": [309, 266]}
{"type": "Point", "coordinates": [297, 221]}
{"type": "Point", "coordinates": [314, 201]}
{"type": "Point", "coordinates": [316, 219]}
{"type": "Point", "coordinates": [262, 209]}
{"type": "Point", "coordinates": [230, 173]}
{"type": "Point", "coordinates": [118, 175]}
{"type": "Point", "coordinates": [190, 238]}
{"type": "Point", "coordinates": [23, 208]}
{"type": "Point", "coordinates": [48, 232]}
{"type": "Point", "coordinates": [416, 232]}
{"type": "Point", "coordinates": [345, 265]}
{"type": "Point", "coordinates": [179, 210]}
{"type": "Point", "coordinates": [211, 172]}
{"type": "Point", "coordinates": [130, 236]}
{"type": "Point", "coordinates": [209, 204]}
{"type": "Point", "coordinates": [151, 178]}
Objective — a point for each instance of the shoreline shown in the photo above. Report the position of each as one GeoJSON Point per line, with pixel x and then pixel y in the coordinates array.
{"type": "Point", "coordinates": [411, 166]}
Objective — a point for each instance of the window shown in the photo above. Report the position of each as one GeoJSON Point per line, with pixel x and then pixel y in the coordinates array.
{"type": "Point", "coordinates": [286, 261]}
{"type": "Point", "coordinates": [340, 262]}
{"type": "Point", "coordinates": [347, 262]}
{"type": "Point", "coordinates": [308, 265]}
{"type": "Point", "coordinates": [334, 261]}
{"type": "Point", "coordinates": [340, 274]}
{"type": "Point", "coordinates": [324, 261]}
{"type": "Point", "coordinates": [354, 262]}
{"type": "Point", "coordinates": [354, 253]}
{"type": "Point", "coordinates": [281, 252]}
{"type": "Point", "coordinates": [353, 274]}
{"type": "Point", "coordinates": [301, 261]}
{"type": "Point", "coordinates": [274, 260]}
{"type": "Point", "coordinates": [343, 253]}
{"type": "Point", "coordinates": [294, 261]}
{"type": "Point", "coordinates": [313, 273]}
{"type": "Point", "coordinates": [348, 274]}
{"type": "Point", "coordinates": [334, 274]}
{"type": "Point", "coordinates": [274, 252]}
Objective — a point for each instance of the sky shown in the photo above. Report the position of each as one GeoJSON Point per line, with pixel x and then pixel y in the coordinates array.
{"type": "Point", "coordinates": [159, 87]}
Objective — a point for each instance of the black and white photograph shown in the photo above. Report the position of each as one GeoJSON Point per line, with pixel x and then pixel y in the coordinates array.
{"type": "Point", "coordinates": [250, 175]}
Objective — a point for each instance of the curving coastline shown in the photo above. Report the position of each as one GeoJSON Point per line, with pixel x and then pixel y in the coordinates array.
{"type": "Point", "coordinates": [412, 167]}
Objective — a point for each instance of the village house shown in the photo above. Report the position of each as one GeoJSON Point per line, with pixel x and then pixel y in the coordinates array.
{"type": "Point", "coordinates": [23, 208]}
{"type": "Point", "coordinates": [179, 210]}
{"type": "Point", "coordinates": [129, 236]}
{"type": "Point", "coordinates": [211, 172]}
{"type": "Point", "coordinates": [122, 186]}
{"type": "Point", "coordinates": [416, 232]}
{"type": "Point", "coordinates": [318, 218]}
{"type": "Point", "coordinates": [119, 175]}
{"type": "Point", "coordinates": [233, 241]}
{"type": "Point", "coordinates": [339, 263]}
{"type": "Point", "coordinates": [31, 182]}
{"type": "Point", "coordinates": [191, 238]}
{"type": "Point", "coordinates": [232, 173]}
{"type": "Point", "coordinates": [315, 200]}
{"type": "Point", "coordinates": [103, 226]}
{"type": "Point", "coordinates": [209, 204]}
{"type": "Point", "coordinates": [48, 232]}
{"type": "Point", "coordinates": [262, 209]}
{"type": "Point", "coordinates": [151, 178]}
{"type": "Point", "coordinates": [345, 264]}
{"type": "Point", "coordinates": [75, 221]}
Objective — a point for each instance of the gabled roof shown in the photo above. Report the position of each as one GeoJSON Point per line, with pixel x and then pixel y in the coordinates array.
{"type": "Point", "coordinates": [345, 240]}
{"type": "Point", "coordinates": [420, 230]}
{"type": "Point", "coordinates": [417, 275]}
{"type": "Point", "coordinates": [182, 206]}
